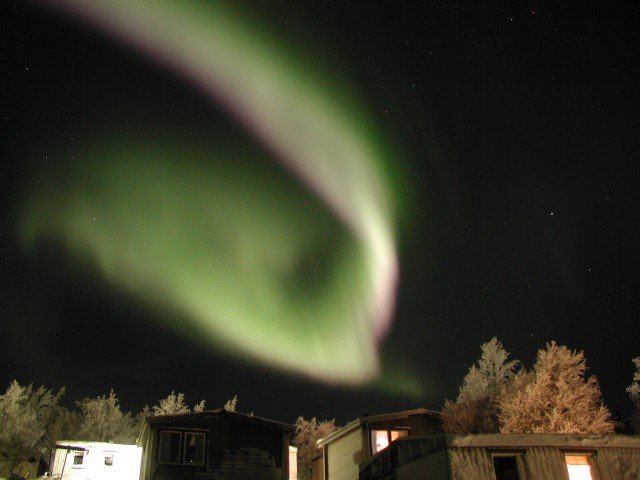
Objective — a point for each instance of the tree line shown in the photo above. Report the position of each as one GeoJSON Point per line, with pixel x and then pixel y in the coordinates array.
{"type": "Point", "coordinates": [556, 395]}
{"type": "Point", "coordinates": [32, 420]}
{"type": "Point", "coordinates": [497, 395]}
{"type": "Point", "coordinates": [500, 395]}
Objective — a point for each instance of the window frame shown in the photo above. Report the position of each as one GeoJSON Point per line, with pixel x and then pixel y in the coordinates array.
{"type": "Point", "coordinates": [515, 454]}
{"type": "Point", "coordinates": [184, 448]}
{"type": "Point", "coordinates": [181, 446]}
{"type": "Point", "coordinates": [372, 431]}
{"type": "Point", "coordinates": [169, 431]}
{"type": "Point", "coordinates": [79, 454]}
{"type": "Point", "coordinates": [587, 454]}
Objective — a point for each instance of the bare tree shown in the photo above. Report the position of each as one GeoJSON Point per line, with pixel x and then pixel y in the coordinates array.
{"type": "Point", "coordinates": [308, 432]}
{"type": "Point", "coordinates": [555, 397]}
{"type": "Point", "coordinates": [104, 421]}
{"type": "Point", "coordinates": [475, 409]}
{"type": "Point", "coordinates": [26, 416]}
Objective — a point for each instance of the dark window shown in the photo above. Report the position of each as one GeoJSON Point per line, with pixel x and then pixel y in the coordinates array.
{"type": "Point", "coordinates": [169, 449]}
{"type": "Point", "coordinates": [194, 448]}
{"type": "Point", "coordinates": [181, 447]}
{"type": "Point", "coordinates": [506, 468]}
{"type": "Point", "coordinates": [78, 458]}
{"type": "Point", "coordinates": [108, 460]}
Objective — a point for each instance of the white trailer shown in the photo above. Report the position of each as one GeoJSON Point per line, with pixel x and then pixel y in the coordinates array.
{"type": "Point", "coordinates": [76, 460]}
{"type": "Point", "coordinates": [293, 462]}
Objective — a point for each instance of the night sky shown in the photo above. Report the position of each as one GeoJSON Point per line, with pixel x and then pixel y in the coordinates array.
{"type": "Point", "coordinates": [513, 140]}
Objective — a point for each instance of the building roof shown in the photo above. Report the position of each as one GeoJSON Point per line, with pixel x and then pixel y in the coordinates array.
{"type": "Point", "coordinates": [500, 440]}
{"type": "Point", "coordinates": [83, 445]}
{"type": "Point", "coordinates": [367, 419]}
{"type": "Point", "coordinates": [220, 412]}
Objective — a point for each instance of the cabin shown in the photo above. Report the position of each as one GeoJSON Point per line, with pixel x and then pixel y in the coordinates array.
{"type": "Point", "coordinates": [344, 450]}
{"type": "Point", "coordinates": [77, 460]}
{"type": "Point", "coordinates": [215, 444]}
{"type": "Point", "coordinates": [507, 457]}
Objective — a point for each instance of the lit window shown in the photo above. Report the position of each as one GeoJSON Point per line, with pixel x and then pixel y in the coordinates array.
{"type": "Point", "coordinates": [78, 458]}
{"type": "Point", "coordinates": [396, 434]}
{"type": "Point", "coordinates": [169, 449]}
{"type": "Point", "coordinates": [505, 467]}
{"type": "Point", "coordinates": [194, 448]}
{"type": "Point", "coordinates": [578, 467]}
{"type": "Point", "coordinates": [380, 439]}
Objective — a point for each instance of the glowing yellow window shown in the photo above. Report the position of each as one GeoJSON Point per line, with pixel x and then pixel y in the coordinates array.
{"type": "Point", "coordinates": [578, 467]}
{"type": "Point", "coordinates": [380, 439]}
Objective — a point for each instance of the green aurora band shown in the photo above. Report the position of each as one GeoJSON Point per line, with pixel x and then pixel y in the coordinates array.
{"type": "Point", "coordinates": [303, 285]}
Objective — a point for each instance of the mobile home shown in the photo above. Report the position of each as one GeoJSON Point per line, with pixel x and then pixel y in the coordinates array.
{"type": "Point", "coordinates": [507, 457]}
{"type": "Point", "coordinates": [216, 445]}
{"type": "Point", "coordinates": [76, 460]}
{"type": "Point", "coordinates": [344, 450]}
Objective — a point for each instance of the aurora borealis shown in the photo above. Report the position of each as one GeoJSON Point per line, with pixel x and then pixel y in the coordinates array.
{"type": "Point", "coordinates": [373, 190]}
{"type": "Point", "coordinates": [301, 277]}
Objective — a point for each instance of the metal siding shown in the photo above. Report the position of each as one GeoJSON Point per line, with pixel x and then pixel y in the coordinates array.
{"type": "Point", "coordinates": [344, 457]}
{"type": "Point", "coordinates": [467, 463]}
{"type": "Point", "coordinates": [616, 464]}
{"type": "Point", "coordinates": [611, 457]}
{"type": "Point", "coordinates": [434, 467]}
{"type": "Point", "coordinates": [545, 462]}
{"type": "Point", "coordinates": [536, 463]}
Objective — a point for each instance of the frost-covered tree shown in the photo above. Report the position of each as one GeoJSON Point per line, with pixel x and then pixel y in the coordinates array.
{"type": "Point", "coordinates": [65, 425]}
{"type": "Point", "coordinates": [475, 409]}
{"type": "Point", "coordinates": [140, 420]}
{"type": "Point", "coordinates": [199, 407]}
{"type": "Point", "coordinates": [555, 397]}
{"type": "Point", "coordinates": [231, 404]}
{"type": "Point", "coordinates": [308, 432]}
{"type": "Point", "coordinates": [104, 421]}
{"type": "Point", "coordinates": [493, 371]}
{"type": "Point", "coordinates": [634, 393]}
{"type": "Point", "coordinates": [171, 405]}
{"type": "Point", "coordinates": [470, 416]}
{"type": "Point", "coordinates": [174, 404]}
{"type": "Point", "coordinates": [26, 417]}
